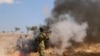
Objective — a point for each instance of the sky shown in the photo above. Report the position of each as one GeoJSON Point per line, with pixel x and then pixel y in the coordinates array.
{"type": "Point", "coordinates": [22, 13]}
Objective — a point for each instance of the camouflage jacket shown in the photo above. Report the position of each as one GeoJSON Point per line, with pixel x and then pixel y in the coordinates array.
{"type": "Point", "coordinates": [42, 38]}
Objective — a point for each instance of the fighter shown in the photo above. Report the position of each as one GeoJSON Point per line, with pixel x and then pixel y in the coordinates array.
{"type": "Point", "coordinates": [44, 35]}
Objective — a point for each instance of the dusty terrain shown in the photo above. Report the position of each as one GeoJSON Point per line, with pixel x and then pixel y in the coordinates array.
{"type": "Point", "coordinates": [7, 48]}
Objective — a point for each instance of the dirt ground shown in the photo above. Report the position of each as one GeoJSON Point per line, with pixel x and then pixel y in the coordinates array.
{"type": "Point", "coordinates": [8, 41]}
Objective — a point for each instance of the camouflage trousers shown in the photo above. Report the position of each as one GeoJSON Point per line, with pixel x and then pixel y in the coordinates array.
{"type": "Point", "coordinates": [41, 51]}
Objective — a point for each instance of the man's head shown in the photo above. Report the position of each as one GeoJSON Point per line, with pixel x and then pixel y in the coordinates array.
{"type": "Point", "coordinates": [42, 29]}
{"type": "Point", "coordinates": [46, 30]}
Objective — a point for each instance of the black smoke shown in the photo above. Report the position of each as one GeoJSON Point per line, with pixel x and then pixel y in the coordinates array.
{"type": "Point", "coordinates": [82, 11]}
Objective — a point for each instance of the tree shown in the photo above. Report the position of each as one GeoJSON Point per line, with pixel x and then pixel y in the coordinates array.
{"type": "Point", "coordinates": [3, 32]}
{"type": "Point", "coordinates": [17, 29]}
{"type": "Point", "coordinates": [33, 28]}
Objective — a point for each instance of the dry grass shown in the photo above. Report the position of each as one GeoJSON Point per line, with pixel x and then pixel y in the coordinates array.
{"type": "Point", "coordinates": [92, 49]}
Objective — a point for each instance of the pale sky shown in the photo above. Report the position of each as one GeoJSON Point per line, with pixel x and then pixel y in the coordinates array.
{"type": "Point", "coordinates": [22, 13]}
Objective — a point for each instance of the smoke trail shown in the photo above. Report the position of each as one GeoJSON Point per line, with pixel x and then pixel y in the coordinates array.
{"type": "Point", "coordinates": [66, 29]}
{"type": "Point", "coordinates": [82, 10]}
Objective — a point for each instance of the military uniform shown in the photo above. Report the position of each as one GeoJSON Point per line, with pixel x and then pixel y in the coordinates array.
{"type": "Point", "coordinates": [43, 36]}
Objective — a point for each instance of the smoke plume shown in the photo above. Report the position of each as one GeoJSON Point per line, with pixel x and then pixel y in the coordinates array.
{"type": "Point", "coordinates": [74, 20]}
{"type": "Point", "coordinates": [66, 29]}
{"type": "Point", "coordinates": [83, 11]}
